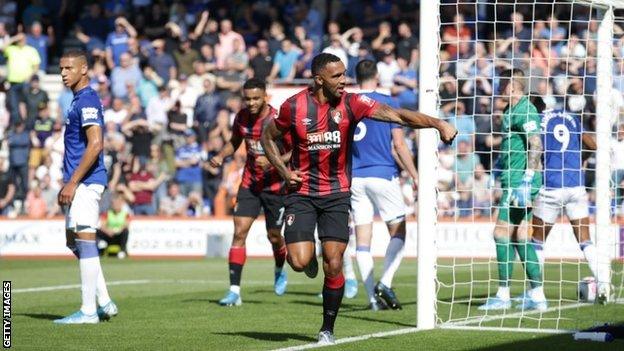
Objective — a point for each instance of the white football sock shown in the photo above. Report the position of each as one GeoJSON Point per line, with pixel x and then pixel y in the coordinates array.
{"type": "Point", "coordinates": [347, 265]}
{"type": "Point", "coordinates": [394, 256]}
{"type": "Point", "coordinates": [235, 289]}
{"type": "Point", "coordinates": [365, 264]}
{"type": "Point", "coordinates": [102, 291]}
{"type": "Point", "coordinates": [89, 270]}
{"type": "Point", "coordinates": [600, 267]}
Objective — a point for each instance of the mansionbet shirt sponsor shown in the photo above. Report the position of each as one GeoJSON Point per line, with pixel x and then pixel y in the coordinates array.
{"type": "Point", "coordinates": [249, 128]}
{"type": "Point", "coordinates": [321, 136]}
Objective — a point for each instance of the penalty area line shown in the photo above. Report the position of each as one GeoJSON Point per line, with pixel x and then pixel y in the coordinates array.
{"type": "Point", "coordinates": [352, 339]}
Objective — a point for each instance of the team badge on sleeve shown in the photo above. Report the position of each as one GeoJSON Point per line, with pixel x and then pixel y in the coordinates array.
{"type": "Point", "coordinates": [89, 113]}
{"type": "Point", "coordinates": [366, 100]}
{"type": "Point", "coordinates": [530, 126]}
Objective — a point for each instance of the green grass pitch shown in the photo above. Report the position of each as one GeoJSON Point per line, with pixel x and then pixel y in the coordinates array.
{"type": "Point", "coordinates": [172, 305]}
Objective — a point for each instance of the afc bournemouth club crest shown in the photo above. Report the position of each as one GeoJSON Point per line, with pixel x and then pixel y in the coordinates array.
{"type": "Point", "coordinates": [336, 116]}
{"type": "Point", "coordinates": [290, 219]}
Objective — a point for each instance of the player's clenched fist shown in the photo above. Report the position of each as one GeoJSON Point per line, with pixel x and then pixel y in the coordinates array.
{"type": "Point", "coordinates": [293, 179]}
{"type": "Point", "coordinates": [447, 132]}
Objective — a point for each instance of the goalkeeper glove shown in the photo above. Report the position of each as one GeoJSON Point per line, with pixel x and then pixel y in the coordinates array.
{"type": "Point", "coordinates": [521, 195]}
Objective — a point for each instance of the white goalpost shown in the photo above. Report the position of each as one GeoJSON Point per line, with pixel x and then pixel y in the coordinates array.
{"type": "Point", "coordinates": [573, 58]}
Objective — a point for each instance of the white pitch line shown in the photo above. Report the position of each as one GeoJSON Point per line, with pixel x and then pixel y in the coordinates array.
{"type": "Point", "coordinates": [507, 329]}
{"type": "Point", "coordinates": [352, 339]}
{"type": "Point", "coordinates": [145, 281]}
{"type": "Point", "coordinates": [77, 286]}
{"type": "Point", "coordinates": [485, 319]}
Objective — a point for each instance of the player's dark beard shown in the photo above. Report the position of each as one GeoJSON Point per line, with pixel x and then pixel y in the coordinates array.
{"type": "Point", "coordinates": [332, 95]}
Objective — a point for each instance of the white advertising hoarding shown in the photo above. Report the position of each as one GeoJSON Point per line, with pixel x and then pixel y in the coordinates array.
{"type": "Point", "coordinates": [199, 238]}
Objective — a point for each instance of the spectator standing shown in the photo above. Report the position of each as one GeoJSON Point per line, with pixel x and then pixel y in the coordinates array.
{"type": "Point", "coordinates": [7, 187]}
{"type": "Point", "coordinates": [206, 108]}
{"type": "Point", "coordinates": [143, 184]}
{"type": "Point", "coordinates": [284, 62]}
{"type": "Point", "coordinates": [225, 47]}
{"type": "Point", "coordinates": [117, 41]}
{"type": "Point", "coordinates": [19, 148]}
{"type": "Point", "coordinates": [187, 160]}
{"type": "Point", "coordinates": [41, 42]}
{"type": "Point", "coordinates": [22, 63]}
{"type": "Point", "coordinates": [184, 57]}
{"type": "Point", "coordinates": [162, 62]}
{"type": "Point", "coordinates": [32, 99]}
{"type": "Point", "coordinates": [261, 64]}
{"type": "Point", "coordinates": [125, 76]}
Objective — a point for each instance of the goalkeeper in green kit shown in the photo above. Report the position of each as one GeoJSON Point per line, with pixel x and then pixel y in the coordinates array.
{"type": "Point", "coordinates": [519, 167]}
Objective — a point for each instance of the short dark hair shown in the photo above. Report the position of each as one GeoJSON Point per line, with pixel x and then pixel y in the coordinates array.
{"type": "Point", "coordinates": [75, 53]}
{"type": "Point", "coordinates": [254, 83]}
{"type": "Point", "coordinates": [365, 70]}
{"type": "Point", "coordinates": [321, 60]}
{"type": "Point", "coordinates": [515, 75]}
{"type": "Point", "coordinates": [538, 102]}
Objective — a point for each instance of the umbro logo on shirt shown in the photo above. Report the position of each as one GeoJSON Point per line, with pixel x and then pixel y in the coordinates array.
{"type": "Point", "coordinates": [306, 121]}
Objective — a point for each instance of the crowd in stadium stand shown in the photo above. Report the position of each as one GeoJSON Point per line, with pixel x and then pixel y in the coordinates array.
{"type": "Point", "coordinates": [169, 74]}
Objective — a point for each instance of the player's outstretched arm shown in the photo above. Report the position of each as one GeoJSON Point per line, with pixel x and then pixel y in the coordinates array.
{"type": "Point", "coordinates": [94, 147]}
{"type": "Point", "coordinates": [228, 150]}
{"type": "Point", "coordinates": [416, 120]}
{"type": "Point", "coordinates": [271, 150]}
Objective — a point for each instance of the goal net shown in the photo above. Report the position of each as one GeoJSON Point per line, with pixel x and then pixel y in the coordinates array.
{"type": "Point", "coordinates": [571, 56]}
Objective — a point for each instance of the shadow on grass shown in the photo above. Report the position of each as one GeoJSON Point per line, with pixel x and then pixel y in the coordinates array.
{"type": "Point", "coordinates": [46, 316]}
{"type": "Point", "coordinates": [555, 342]}
{"type": "Point", "coordinates": [216, 301]}
{"type": "Point", "coordinates": [294, 293]}
{"type": "Point", "coordinates": [269, 336]}
{"type": "Point", "coordinates": [463, 299]}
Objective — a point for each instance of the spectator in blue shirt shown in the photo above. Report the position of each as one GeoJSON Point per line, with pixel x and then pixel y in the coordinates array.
{"type": "Point", "coordinates": [284, 62]}
{"type": "Point", "coordinates": [405, 84]}
{"type": "Point", "coordinates": [188, 164]}
{"type": "Point", "coordinates": [464, 124]}
{"type": "Point", "coordinates": [40, 42]}
{"type": "Point", "coordinates": [117, 41]}
{"type": "Point", "coordinates": [162, 62]}
{"type": "Point", "coordinates": [126, 74]}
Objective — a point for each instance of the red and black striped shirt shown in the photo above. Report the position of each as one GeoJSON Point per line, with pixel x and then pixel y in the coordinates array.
{"type": "Point", "coordinates": [321, 136]}
{"type": "Point", "coordinates": [249, 128]}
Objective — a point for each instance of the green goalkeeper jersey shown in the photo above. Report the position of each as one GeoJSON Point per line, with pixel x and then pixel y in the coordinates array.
{"type": "Point", "coordinates": [520, 121]}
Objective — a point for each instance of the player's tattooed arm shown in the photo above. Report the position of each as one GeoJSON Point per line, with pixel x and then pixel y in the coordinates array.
{"type": "Point", "coordinates": [272, 152]}
{"type": "Point", "coordinates": [535, 152]}
{"type": "Point", "coordinates": [229, 148]}
{"type": "Point", "coordinates": [416, 120]}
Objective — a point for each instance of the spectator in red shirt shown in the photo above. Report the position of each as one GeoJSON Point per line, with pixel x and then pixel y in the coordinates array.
{"type": "Point", "coordinates": [455, 32]}
{"type": "Point", "coordinates": [142, 184]}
